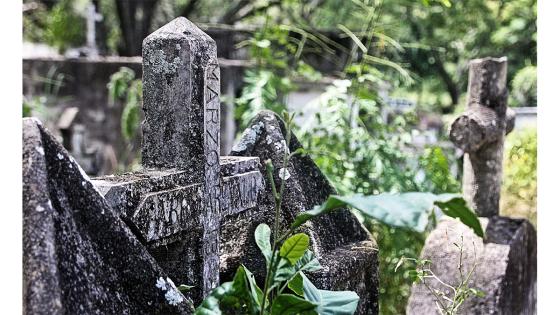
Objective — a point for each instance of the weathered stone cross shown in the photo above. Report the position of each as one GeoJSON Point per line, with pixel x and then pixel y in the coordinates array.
{"type": "Point", "coordinates": [480, 133]}
{"type": "Point", "coordinates": [176, 203]}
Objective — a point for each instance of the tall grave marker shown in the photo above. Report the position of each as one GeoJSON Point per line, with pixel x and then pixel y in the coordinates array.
{"type": "Point", "coordinates": [177, 202]}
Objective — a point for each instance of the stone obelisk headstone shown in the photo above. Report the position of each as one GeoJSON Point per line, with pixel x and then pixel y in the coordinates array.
{"type": "Point", "coordinates": [177, 202]}
{"type": "Point", "coordinates": [506, 263]}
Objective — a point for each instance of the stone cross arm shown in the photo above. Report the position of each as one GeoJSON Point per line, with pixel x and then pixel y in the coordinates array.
{"type": "Point", "coordinates": [161, 205]}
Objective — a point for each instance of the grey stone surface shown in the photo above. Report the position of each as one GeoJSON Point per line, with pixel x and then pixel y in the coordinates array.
{"type": "Point", "coordinates": [176, 204]}
{"type": "Point", "coordinates": [181, 97]}
{"type": "Point", "coordinates": [79, 257]}
{"type": "Point", "coordinates": [480, 133]}
{"type": "Point", "coordinates": [507, 257]}
{"type": "Point", "coordinates": [506, 266]}
{"type": "Point", "coordinates": [343, 246]}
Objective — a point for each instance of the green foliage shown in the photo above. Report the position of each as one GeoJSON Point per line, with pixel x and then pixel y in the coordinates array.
{"type": "Point", "coordinates": [436, 167]}
{"type": "Point", "coordinates": [286, 260]}
{"type": "Point", "coordinates": [411, 210]}
{"type": "Point", "coordinates": [519, 189]}
{"type": "Point", "coordinates": [124, 87]}
{"type": "Point", "coordinates": [447, 301]}
{"type": "Point", "coordinates": [524, 87]}
{"type": "Point", "coordinates": [64, 27]}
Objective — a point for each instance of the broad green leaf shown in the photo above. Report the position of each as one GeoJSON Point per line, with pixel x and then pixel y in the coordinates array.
{"type": "Point", "coordinates": [284, 271]}
{"type": "Point", "coordinates": [457, 208]}
{"type": "Point", "coordinates": [288, 304]}
{"type": "Point", "coordinates": [330, 302]}
{"type": "Point", "coordinates": [296, 284]}
{"type": "Point", "coordinates": [294, 247]}
{"type": "Point", "coordinates": [409, 210]}
{"type": "Point", "coordinates": [234, 296]}
{"type": "Point", "coordinates": [308, 262]}
{"type": "Point", "coordinates": [262, 238]}
{"type": "Point", "coordinates": [255, 292]}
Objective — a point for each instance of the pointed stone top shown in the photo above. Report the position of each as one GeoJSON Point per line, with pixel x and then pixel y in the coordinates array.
{"type": "Point", "coordinates": [177, 29]}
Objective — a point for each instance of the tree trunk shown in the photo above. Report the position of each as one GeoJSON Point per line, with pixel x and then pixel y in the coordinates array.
{"type": "Point", "coordinates": [134, 30]}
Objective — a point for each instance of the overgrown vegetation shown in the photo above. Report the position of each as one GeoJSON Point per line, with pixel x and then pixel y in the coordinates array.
{"type": "Point", "coordinates": [286, 289]}
{"type": "Point", "coordinates": [124, 87]}
{"type": "Point", "coordinates": [449, 300]}
{"type": "Point", "coordinates": [519, 189]}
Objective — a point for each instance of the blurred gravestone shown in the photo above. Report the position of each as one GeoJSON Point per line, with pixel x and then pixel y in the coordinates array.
{"type": "Point", "coordinates": [506, 259]}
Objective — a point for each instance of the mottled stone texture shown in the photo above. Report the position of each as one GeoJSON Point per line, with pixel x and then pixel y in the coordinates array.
{"type": "Point", "coordinates": [175, 61]}
{"type": "Point", "coordinates": [78, 256]}
{"type": "Point", "coordinates": [165, 211]}
{"type": "Point", "coordinates": [506, 266]}
{"type": "Point", "coordinates": [480, 133]}
{"type": "Point", "coordinates": [344, 247]}
{"type": "Point", "coordinates": [177, 203]}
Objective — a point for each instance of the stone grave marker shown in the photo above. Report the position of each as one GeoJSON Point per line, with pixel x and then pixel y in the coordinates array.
{"type": "Point", "coordinates": [344, 247]}
{"type": "Point", "coordinates": [176, 203]}
{"type": "Point", "coordinates": [506, 259]}
{"type": "Point", "coordinates": [79, 257]}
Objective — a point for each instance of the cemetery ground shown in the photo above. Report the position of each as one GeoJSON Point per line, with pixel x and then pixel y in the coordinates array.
{"type": "Point", "coordinates": [276, 170]}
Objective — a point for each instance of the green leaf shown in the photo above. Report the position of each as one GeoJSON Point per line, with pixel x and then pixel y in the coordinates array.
{"type": "Point", "coordinates": [288, 304]}
{"type": "Point", "coordinates": [409, 210]}
{"type": "Point", "coordinates": [354, 37]}
{"type": "Point", "coordinates": [255, 292]}
{"type": "Point", "coordinates": [294, 247]}
{"type": "Point", "coordinates": [262, 238]}
{"type": "Point", "coordinates": [457, 208]}
{"type": "Point", "coordinates": [308, 262]}
{"type": "Point", "coordinates": [284, 272]}
{"type": "Point", "coordinates": [330, 302]}
{"type": "Point", "coordinates": [296, 284]}
{"type": "Point", "coordinates": [234, 296]}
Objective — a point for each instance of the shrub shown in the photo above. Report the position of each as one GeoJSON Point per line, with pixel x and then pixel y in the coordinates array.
{"type": "Point", "coordinates": [519, 191]}
{"type": "Point", "coordinates": [524, 87]}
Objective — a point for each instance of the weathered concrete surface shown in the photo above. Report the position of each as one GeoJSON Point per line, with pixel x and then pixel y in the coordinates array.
{"type": "Point", "coordinates": [164, 210]}
{"type": "Point", "coordinates": [506, 266]}
{"type": "Point", "coordinates": [176, 204]}
{"type": "Point", "coordinates": [176, 59]}
{"type": "Point", "coordinates": [480, 133]}
{"type": "Point", "coordinates": [78, 256]}
{"type": "Point", "coordinates": [343, 246]}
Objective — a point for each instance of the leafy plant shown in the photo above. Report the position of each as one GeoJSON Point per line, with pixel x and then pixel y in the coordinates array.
{"type": "Point", "coordinates": [519, 189]}
{"type": "Point", "coordinates": [124, 87]}
{"type": "Point", "coordinates": [288, 257]}
{"type": "Point", "coordinates": [446, 303]}
{"type": "Point", "coordinates": [524, 87]}
{"type": "Point", "coordinates": [64, 26]}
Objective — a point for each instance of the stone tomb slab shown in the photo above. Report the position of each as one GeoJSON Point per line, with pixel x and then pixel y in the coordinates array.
{"type": "Point", "coordinates": [79, 257]}
{"type": "Point", "coordinates": [160, 204]}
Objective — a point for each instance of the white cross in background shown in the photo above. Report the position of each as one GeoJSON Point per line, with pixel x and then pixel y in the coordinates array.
{"type": "Point", "coordinates": [91, 17]}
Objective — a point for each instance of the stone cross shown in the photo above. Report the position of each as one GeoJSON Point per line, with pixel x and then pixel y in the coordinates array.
{"type": "Point", "coordinates": [176, 203]}
{"type": "Point", "coordinates": [91, 17]}
{"type": "Point", "coordinates": [480, 133]}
